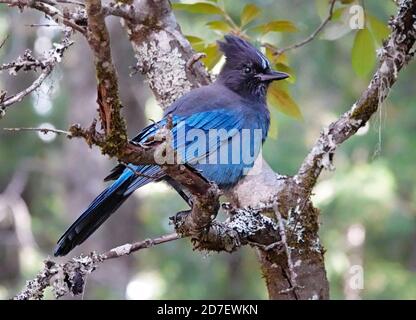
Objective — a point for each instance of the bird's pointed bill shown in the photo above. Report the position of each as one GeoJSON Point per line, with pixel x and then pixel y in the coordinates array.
{"type": "Point", "coordinates": [273, 75]}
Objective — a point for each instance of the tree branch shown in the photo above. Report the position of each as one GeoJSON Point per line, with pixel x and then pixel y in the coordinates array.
{"type": "Point", "coordinates": [114, 139]}
{"type": "Point", "coordinates": [122, 10]}
{"type": "Point", "coordinates": [41, 130]}
{"type": "Point", "coordinates": [311, 37]}
{"type": "Point", "coordinates": [69, 277]}
{"type": "Point", "coordinates": [245, 226]}
{"type": "Point", "coordinates": [394, 55]}
{"type": "Point", "coordinates": [28, 62]}
{"type": "Point", "coordinates": [8, 101]}
{"type": "Point", "coordinates": [293, 193]}
{"type": "Point", "coordinates": [49, 9]}
{"type": "Point", "coordinates": [108, 99]}
{"type": "Point", "coordinates": [162, 51]}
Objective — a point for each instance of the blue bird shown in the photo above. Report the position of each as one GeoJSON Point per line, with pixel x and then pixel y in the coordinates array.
{"type": "Point", "coordinates": [217, 129]}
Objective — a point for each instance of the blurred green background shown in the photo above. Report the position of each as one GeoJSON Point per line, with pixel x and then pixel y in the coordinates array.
{"type": "Point", "coordinates": [368, 204]}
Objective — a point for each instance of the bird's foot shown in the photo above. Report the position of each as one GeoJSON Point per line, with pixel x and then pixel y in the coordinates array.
{"type": "Point", "coordinates": [179, 218]}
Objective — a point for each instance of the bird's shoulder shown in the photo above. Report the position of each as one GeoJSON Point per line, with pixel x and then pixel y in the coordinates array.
{"type": "Point", "coordinates": [206, 98]}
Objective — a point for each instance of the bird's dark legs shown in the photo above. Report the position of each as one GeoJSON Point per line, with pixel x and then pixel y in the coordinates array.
{"type": "Point", "coordinates": [175, 185]}
{"type": "Point", "coordinates": [179, 217]}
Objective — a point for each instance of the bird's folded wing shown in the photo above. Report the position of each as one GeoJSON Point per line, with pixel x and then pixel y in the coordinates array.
{"type": "Point", "coordinates": [185, 130]}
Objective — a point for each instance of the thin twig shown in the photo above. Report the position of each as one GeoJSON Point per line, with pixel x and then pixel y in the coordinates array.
{"type": "Point", "coordinates": [69, 277]}
{"type": "Point", "coordinates": [48, 8]}
{"type": "Point", "coordinates": [133, 247]}
{"type": "Point", "coordinates": [312, 36]}
{"type": "Point", "coordinates": [19, 96]}
{"type": "Point", "coordinates": [43, 25]}
{"type": "Point", "coordinates": [28, 62]}
{"type": "Point", "coordinates": [121, 10]}
{"type": "Point", "coordinates": [195, 58]}
{"type": "Point", "coordinates": [4, 41]}
{"type": "Point", "coordinates": [55, 2]}
{"type": "Point", "coordinates": [395, 54]}
{"type": "Point", "coordinates": [42, 130]}
{"type": "Point", "coordinates": [266, 247]}
{"type": "Point", "coordinates": [72, 2]}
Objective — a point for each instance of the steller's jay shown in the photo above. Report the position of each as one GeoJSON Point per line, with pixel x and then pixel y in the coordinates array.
{"type": "Point", "coordinates": [234, 103]}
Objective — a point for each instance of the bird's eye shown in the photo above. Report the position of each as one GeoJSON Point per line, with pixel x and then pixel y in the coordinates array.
{"type": "Point", "coordinates": [247, 70]}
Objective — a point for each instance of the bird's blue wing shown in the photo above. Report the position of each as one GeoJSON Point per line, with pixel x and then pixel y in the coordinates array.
{"type": "Point", "coordinates": [222, 157]}
{"type": "Point", "coordinates": [195, 142]}
{"type": "Point", "coordinates": [200, 135]}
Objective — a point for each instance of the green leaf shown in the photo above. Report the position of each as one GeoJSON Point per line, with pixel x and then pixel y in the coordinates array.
{"type": "Point", "coordinates": [281, 58]}
{"type": "Point", "coordinates": [219, 25]}
{"type": "Point", "coordinates": [199, 7]}
{"type": "Point", "coordinates": [335, 31]}
{"type": "Point", "coordinates": [338, 26]}
{"type": "Point", "coordinates": [338, 13]}
{"type": "Point", "coordinates": [282, 101]}
{"type": "Point", "coordinates": [194, 39]}
{"type": "Point", "coordinates": [285, 68]}
{"type": "Point", "coordinates": [275, 26]}
{"type": "Point", "coordinates": [270, 50]}
{"type": "Point", "coordinates": [197, 43]}
{"type": "Point", "coordinates": [213, 55]}
{"type": "Point", "coordinates": [249, 13]}
{"type": "Point", "coordinates": [363, 53]}
{"type": "Point", "coordinates": [379, 30]}
{"type": "Point", "coordinates": [322, 8]}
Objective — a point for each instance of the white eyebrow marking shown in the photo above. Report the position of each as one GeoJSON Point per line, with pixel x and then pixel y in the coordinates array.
{"type": "Point", "coordinates": [264, 62]}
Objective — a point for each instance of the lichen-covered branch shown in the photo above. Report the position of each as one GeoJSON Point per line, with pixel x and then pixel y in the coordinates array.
{"type": "Point", "coordinates": [40, 129]}
{"type": "Point", "coordinates": [245, 226]}
{"type": "Point", "coordinates": [395, 54]}
{"type": "Point", "coordinates": [162, 51]}
{"type": "Point", "coordinates": [70, 277]}
{"type": "Point", "coordinates": [293, 193]}
{"type": "Point", "coordinates": [108, 100]}
{"type": "Point", "coordinates": [122, 10]}
{"type": "Point", "coordinates": [49, 8]}
{"type": "Point", "coordinates": [29, 63]}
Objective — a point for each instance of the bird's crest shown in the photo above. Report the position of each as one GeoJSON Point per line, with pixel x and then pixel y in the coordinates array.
{"type": "Point", "coordinates": [239, 51]}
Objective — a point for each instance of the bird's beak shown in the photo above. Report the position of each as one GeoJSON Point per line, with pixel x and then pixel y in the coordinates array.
{"type": "Point", "coordinates": [272, 76]}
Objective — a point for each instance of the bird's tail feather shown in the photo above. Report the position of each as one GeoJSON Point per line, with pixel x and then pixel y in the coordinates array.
{"type": "Point", "coordinates": [98, 211]}
{"type": "Point", "coordinates": [106, 204]}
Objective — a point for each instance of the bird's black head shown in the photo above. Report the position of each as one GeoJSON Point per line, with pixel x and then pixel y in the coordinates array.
{"type": "Point", "coordinates": [246, 71]}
